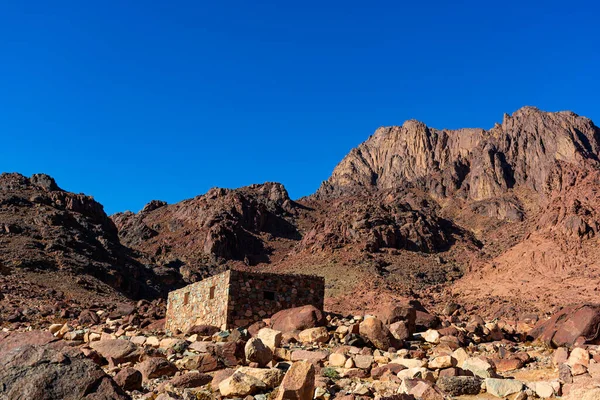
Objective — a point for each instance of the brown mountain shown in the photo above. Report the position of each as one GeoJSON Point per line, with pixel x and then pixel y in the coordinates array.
{"type": "Point", "coordinates": [496, 218]}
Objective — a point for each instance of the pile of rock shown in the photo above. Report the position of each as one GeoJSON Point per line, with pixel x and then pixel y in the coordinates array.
{"type": "Point", "coordinates": [401, 352]}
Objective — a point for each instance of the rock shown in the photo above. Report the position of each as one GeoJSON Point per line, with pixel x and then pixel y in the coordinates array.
{"type": "Point", "coordinates": [502, 387]}
{"type": "Point", "coordinates": [579, 356]}
{"type": "Point", "coordinates": [393, 369]}
{"type": "Point", "coordinates": [441, 362]}
{"type": "Point", "coordinates": [314, 335]}
{"type": "Point", "coordinates": [190, 380]}
{"type": "Point", "coordinates": [129, 379]}
{"type": "Point", "coordinates": [508, 364]}
{"type": "Point", "coordinates": [421, 389]}
{"type": "Point", "coordinates": [220, 375]}
{"type": "Point", "coordinates": [298, 319]}
{"type": "Point", "coordinates": [431, 336]}
{"type": "Point", "coordinates": [43, 372]}
{"type": "Point", "coordinates": [460, 355]}
{"type": "Point", "coordinates": [561, 355]}
{"type": "Point", "coordinates": [410, 362]}
{"type": "Point", "coordinates": [256, 351]}
{"type": "Point", "coordinates": [567, 325]}
{"type": "Point", "coordinates": [564, 373]}
{"type": "Point", "coordinates": [363, 361]}
{"type": "Point", "coordinates": [156, 367]}
{"type": "Point", "coordinates": [460, 385]}
{"type": "Point", "coordinates": [298, 382]}
{"type": "Point", "coordinates": [240, 384]}
{"type": "Point", "coordinates": [271, 377]}
{"type": "Point", "coordinates": [543, 390]}
{"type": "Point", "coordinates": [337, 360]}
{"type": "Point", "coordinates": [88, 317]}
{"type": "Point", "coordinates": [400, 330]}
{"type": "Point", "coordinates": [425, 320]}
{"type": "Point", "coordinates": [479, 367]}
{"type": "Point", "coordinates": [270, 337]}
{"type": "Point", "coordinates": [119, 350]}
{"type": "Point", "coordinates": [200, 362]}
{"type": "Point", "coordinates": [14, 340]}
{"type": "Point", "coordinates": [203, 330]}
{"type": "Point", "coordinates": [313, 357]}
{"type": "Point", "coordinates": [390, 314]}
{"type": "Point", "coordinates": [373, 330]}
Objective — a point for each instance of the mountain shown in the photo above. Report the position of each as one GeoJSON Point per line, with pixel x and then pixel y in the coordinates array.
{"type": "Point", "coordinates": [503, 219]}
{"type": "Point", "coordinates": [60, 248]}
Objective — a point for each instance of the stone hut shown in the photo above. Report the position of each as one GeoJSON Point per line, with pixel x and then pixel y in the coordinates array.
{"type": "Point", "coordinates": [236, 298]}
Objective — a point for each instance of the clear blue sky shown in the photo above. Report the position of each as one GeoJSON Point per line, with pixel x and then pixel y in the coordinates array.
{"type": "Point", "coordinates": [163, 100]}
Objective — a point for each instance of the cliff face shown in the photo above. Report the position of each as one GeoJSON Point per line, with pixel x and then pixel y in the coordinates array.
{"type": "Point", "coordinates": [470, 163]}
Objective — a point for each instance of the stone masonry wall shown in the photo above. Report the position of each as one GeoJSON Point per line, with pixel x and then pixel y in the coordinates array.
{"type": "Point", "coordinates": [254, 296]}
{"type": "Point", "coordinates": [193, 305]}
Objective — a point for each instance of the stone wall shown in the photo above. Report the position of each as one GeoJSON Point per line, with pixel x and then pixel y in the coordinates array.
{"type": "Point", "coordinates": [254, 296]}
{"type": "Point", "coordinates": [201, 303]}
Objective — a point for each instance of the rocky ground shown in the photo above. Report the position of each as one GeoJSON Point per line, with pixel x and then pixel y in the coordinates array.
{"type": "Point", "coordinates": [402, 352]}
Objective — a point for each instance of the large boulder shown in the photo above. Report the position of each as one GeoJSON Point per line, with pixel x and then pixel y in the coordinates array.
{"type": "Point", "coordinates": [568, 325]}
{"type": "Point", "coordinates": [119, 350]}
{"type": "Point", "coordinates": [373, 330]}
{"type": "Point", "coordinates": [298, 382]}
{"type": "Point", "coordinates": [298, 319]}
{"type": "Point", "coordinates": [240, 385]}
{"type": "Point", "coordinates": [389, 314]}
{"type": "Point", "coordinates": [156, 367]}
{"type": "Point", "coordinates": [257, 352]}
{"type": "Point", "coordinates": [46, 373]}
{"type": "Point", "coordinates": [11, 340]}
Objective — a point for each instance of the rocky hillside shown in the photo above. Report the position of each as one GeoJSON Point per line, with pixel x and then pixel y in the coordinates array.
{"type": "Point", "coordinates": [59, 246]}
{"type": "Point", "coordinates": [498, 217]}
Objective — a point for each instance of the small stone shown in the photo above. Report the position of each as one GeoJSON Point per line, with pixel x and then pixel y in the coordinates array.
{"type": "Point", "coordinates": [431, 336]}
{"type": "Point", "coordinates": [129, 379]}
{"type": "Point", "coordinates": [314, 335]}
{"type": "Point", "coordinates": [480, 367]}
{"type": "Point", "coordinates": [240, 384]}
{"type": "Point", "coordinates": [442, 362]}
{"type": "Point", "coordinates": [337, 360]}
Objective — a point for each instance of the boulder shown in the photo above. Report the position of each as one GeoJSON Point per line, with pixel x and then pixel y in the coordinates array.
{"type": "Point", "coordinates": [11, 340]}
{"type": "Point", "coordinates": [459, 385]}
{"type": "Point", "coordinates": [480, 367]}
{"type": "Point", "coordinates": [155, 367]}
{"type": "Point", "coordinates": [400, 330]}
{"type": "Point", "coordinates": [119, 350]}
{"type": "Point", "coordinates": [389, 314]}
{"type": "Point", "coordinates": [129, 379]}
{"type": "Point", "coordinates": [257, 352]}
{"type": "Point", "coordinates": [190, 380]}
{"type": "Point", "coordinates": [502, 387]}
{"type": "Point", "coordinates": [47, 373]}
{"type": "Point", "coordinates": [298, 382]}
{"type": "Point", "coordinates": [314, 335]}
{"type": "Point", "coordinates": [240, 384]}
{"type": "Point", "coordinates": [569, 324]}
{"type": "Point", "coordinates": [270, 337]}
{"type": "Point", "coordinates": [298, 318]}
{"type": "Point", "coordinates": [271, 377]}
{"type": "Point", "coordinates": [373, 330]}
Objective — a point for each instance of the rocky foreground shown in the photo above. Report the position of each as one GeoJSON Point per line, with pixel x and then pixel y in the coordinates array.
{"type": "Point", "coordinates": [402, 352]}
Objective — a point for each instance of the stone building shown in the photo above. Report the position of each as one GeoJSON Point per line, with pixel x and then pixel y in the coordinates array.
{"type": "Point", "coordinates": [237, 298]}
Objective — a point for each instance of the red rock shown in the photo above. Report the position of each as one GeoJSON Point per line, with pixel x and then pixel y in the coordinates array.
{"type": "Point", "coordinates": [156, 367]}
{"type": "Point", "coordinates": [508, 364]}
{"type": "Point", "coordinates": [390, 313]}
{"type": "Point", "coordinates": [394, 368]}
{"type": "Point", "coordinates": [129, 379]}
{"type": "Point", "coordinates": [191, 380]}
{"type": "Point", "coordinates": [298, 382]}
{"type": "Point", "coordinates": [569, 324]}
{"type": "Point", "coordinates": [203, 330]}
{"type": "Point", "coordinates": [373, 330]}
{"type": "Point", "coordinates": [220, 376]}
{"type": "Point", "coordinates": [120, 350]}
{"type": "Point", "coordinates": [297, 319]}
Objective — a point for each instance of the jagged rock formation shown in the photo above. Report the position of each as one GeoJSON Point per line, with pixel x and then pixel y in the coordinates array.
{"type": "Point", "coordinates": [191, 238]}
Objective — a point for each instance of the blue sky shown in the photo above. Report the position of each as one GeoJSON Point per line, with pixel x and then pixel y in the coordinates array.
{"type": "Point", "coordinates": [150, 100]}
